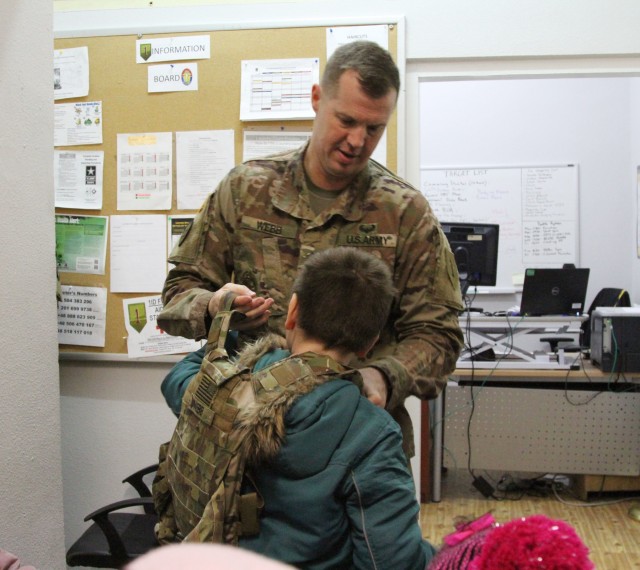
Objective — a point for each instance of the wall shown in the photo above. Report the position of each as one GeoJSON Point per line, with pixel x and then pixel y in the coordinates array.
{"type": "Point", "coordinates": [113, 421]}
{"type": "Point", "coordinates": [31, 524]}
{"type": "Point", "coordinates": [436, 29]}
{"type": "Point", "coordinates": [454, 37]}
{"type": "Point", "coordinates": [595, 119]}
{"type": "Point", "coordinates": [533, 121]}
{"type": "Point", "coordinates": [634, 125]}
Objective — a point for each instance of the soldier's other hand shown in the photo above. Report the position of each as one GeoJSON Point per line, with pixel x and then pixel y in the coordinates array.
{"type": "Point", "coordinates": [253, 311]}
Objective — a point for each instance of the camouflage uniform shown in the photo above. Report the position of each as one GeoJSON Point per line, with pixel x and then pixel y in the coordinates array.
{"type": "Point", "coordinates": [258, 227]}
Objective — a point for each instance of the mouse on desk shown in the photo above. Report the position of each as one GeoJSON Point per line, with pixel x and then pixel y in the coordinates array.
{"type": "Point", "coordinates": [472, 310]}
{"type": "Point", "coordinates": [513, 311]}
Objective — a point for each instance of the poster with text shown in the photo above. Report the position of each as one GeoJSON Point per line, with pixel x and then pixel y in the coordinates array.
{"type": "Point", "coordinates": [82, 315]}
{"type": "Point", "coordinates": [81, 243]}
{"type": "Point", "coordinates": [144, 337]}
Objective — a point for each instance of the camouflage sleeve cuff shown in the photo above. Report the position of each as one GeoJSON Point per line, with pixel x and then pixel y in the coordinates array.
{"type": "Point", "coordinates": [401, 385]}
{"type": "Point", "coordinates": [187, 315]}
{"type": "Point", "coordinates": [200, 314]}
{"type": "Point", "coordinates": [396, 378]}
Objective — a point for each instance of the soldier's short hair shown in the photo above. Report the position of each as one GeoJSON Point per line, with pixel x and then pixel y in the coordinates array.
{"type": "Point", "coordinates": [344, 297]}
{"type": "Point", "coordinates": [377, 72]}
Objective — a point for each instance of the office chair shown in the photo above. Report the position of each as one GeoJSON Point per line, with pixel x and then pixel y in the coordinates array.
{"type": "Point", "coordinates": [607, 297]}
{"type": "Point", "coordinates": [115, 538]}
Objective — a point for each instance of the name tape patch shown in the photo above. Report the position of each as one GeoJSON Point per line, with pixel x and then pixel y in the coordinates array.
{"type": "Point", "coordinates": [268, 227]}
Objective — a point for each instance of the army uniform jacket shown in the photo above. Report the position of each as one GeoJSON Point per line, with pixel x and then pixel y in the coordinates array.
{"type": "Point", "coordinates": [257, 228]}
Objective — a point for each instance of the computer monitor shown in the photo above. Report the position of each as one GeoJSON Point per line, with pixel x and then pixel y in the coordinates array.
{"type": "Point", "coordinates": [475, 249]}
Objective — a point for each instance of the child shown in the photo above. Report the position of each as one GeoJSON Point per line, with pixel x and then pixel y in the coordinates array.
{"type": "Point", "coordinates": [328, 463]}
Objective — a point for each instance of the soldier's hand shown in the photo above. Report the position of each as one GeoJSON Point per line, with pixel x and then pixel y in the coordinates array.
{"type": "Point", "coordinates": [375, 386]}
{"type": "Point", "coordinates": [254, 310]}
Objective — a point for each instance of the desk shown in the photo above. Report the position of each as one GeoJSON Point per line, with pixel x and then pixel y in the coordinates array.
{"type": "Point", "coordinates": [538, 421]}
{"type": "Point", "coordinates": [516, 340]}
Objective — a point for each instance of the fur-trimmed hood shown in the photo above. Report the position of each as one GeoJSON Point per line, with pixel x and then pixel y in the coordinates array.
{"type": "Point", "coordinates": [264, 421]}
{"type": "Point", "coordinates": [254, 351]}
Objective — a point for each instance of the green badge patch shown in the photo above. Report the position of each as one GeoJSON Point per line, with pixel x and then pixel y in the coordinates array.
{"type": "Point", "coordinates": [145, 51]}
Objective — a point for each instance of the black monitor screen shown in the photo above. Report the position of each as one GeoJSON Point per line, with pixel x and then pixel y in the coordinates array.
{"type": "Point", "coordinates": [475, 248]}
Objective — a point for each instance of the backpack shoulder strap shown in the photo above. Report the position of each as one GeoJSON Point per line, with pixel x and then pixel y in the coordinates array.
{"type": "Point", "coordinates": [296, 369]}
{"type": "Point", "coordinates": [204, 461]}
{"type": "Point", "coordinates": [219, 328]}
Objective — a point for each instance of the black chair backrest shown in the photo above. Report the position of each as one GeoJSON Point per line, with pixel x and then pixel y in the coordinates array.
{"type": "Point", "coordinates": [607, 297]}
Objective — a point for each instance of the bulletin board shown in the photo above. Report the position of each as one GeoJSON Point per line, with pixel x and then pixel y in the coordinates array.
{"type": "Point", "coordinates": [121, 85]}
{"type": "Point", "coordinates": [536, 208]}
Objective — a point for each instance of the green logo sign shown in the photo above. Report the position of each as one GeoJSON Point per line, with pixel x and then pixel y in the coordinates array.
{"type": "Point", "coordinates": [138, 316]}
{"type": "Point", "coordinates": [145, 51]}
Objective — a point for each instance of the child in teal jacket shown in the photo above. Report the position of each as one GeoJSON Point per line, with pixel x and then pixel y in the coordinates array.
{"type": "Point", "coordinates": [336, 488]}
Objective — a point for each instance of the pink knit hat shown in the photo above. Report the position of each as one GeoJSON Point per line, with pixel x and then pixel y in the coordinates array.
{"type": "Point", "coordinates": [528, 543]}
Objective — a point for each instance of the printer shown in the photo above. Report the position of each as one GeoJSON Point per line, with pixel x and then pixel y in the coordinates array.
{"type": "Point", "coordinates": [615, 339]}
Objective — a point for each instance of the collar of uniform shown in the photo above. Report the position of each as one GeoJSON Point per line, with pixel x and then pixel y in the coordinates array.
{"type": "Point", "coordinates": [321, 364]}
{"type": "Point", "coordinates": [293, 200]}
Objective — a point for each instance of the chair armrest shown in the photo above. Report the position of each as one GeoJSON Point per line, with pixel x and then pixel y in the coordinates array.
{"type": "Point", "coordinates": [101, 518]}
{"type": "Point", "coordinates": [137, 482]}
{"type": "Point", "coordinates": [123, 504]}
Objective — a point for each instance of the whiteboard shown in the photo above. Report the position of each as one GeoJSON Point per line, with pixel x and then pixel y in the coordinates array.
{"type": "Point", "coordinates": [535, 206]}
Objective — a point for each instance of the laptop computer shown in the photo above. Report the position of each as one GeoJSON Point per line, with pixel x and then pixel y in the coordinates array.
{"type": "Point", "coordinates": [554, 291]}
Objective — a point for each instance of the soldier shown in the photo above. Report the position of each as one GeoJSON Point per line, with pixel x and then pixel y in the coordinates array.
{"type": "Point", "coordinates": [267, 216]}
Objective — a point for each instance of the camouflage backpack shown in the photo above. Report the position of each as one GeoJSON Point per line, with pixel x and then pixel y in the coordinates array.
{"type": "Point", "coordinates": [198, 489]}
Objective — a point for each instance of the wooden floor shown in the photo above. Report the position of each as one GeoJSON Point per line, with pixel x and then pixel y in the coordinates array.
{"type": "Point", "coordinates": [612, 536]}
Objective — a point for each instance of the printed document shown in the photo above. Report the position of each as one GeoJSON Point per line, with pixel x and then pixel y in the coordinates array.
{"type": "Point", "coordinates": [138, 253]}
{"type": "Point", "coordinates": [144, 171]}
{"type": "Point", "coordinates": [81, 243]}
{"type": "Point", "coordinates": [278, 89]}
{"type": "Point", "coordinates": [261, 143]}
{"type": "Point", "coordinates": [144, 337]}
{"type": "Point", "coordinates": [203, 158]}
{"type": "Point", "coordinates": [77, 123]}
{"type": "Point", "coordinates": [78, 179]}
{"type": "Point", "coordinates": [82, 315]}
{"type": "Point", "coordinates": [341, 35]}
{"type": "Point", "coordinates": [70, 73]}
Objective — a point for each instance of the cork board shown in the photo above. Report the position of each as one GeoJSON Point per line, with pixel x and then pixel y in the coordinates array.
{"type": "Point", "coordinates": [121, 84]}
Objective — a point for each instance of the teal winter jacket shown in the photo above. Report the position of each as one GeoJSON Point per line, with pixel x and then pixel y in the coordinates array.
{"type": "Point", "coordinates": [338, 494]}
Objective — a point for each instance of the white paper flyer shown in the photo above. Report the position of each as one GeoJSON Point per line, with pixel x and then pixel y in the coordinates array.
{"type": "Point", "coordinates": [144, 337]}
{"type": "Point", "coordinates": [82, 315]}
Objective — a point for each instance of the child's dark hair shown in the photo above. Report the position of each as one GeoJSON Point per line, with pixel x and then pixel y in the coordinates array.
{"type": "Point", "coordinates": [344, 297]}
